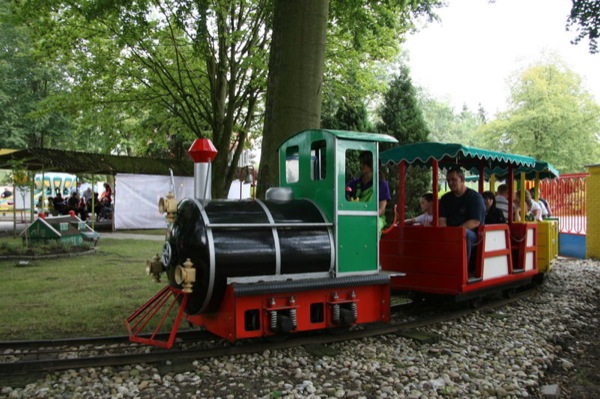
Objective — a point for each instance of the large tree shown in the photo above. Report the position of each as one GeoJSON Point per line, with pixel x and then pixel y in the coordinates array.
{"type": "Point", "coordinates": [295, 78]}
{"type": "Point", "coordinates": [550, 117]}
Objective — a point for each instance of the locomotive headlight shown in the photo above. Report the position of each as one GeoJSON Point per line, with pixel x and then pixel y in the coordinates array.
{"type": "Point", "coordinates": [185, 276]}
{"type": "Point", "coordinates": [154, 267]}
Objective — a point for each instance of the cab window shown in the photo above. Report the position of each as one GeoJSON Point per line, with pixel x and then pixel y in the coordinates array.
{"type": "Point", "coordinates": [318, 160]}
{"type": "Point", "coordinates": [292, 169]}
{"type": "Point", "coordinates": [354, 191]}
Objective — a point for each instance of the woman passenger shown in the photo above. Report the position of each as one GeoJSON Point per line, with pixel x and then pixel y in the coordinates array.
{"type": "Point", "coordinates": [493, 215]}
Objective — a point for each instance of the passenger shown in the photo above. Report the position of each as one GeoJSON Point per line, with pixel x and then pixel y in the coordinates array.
{"type": "Point", "coordinates": [516, 209]}
{"type": "Point", "coordinates": [502, 202]}
{"type": "Point", "coordinates": [547, 205]}
{"type": "Point", "coordinates": [76, 188]}
{"type": "Point", "coordinates": [106, 196]}
{"type": "Point", "coordinates": [59, 204]}
{"type": "Point", "coordinates": [82, 209]}
{"type": "Point", "coordinates": [51, 210]}
{"type": "Point", "coordinates": [361, 188]}
{"type": "Point", "coordinates": [426, 218]}
{"type": "Point", "coordinates": [94, 206]}
{"type": "Point", "coordinates": [42, 205]}
{"type": "Point", "coordinates": [542, 203]}
{"type": "Point", "coordinates": [534, 212]}
{"type": "Point", "coordinates": [502, 199]}
{"type": "Point", "coordinates": [462, 206]}
{"type": "Point", "coordinates": [87, 195]}
{"type": "Point", "coordinates": [493, 215]}
{"type": "Point", "coordinates": [73, 202]}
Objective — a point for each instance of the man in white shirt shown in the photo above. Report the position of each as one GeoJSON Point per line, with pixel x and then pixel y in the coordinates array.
{"type": "Point", "coordinates": [502, 199]}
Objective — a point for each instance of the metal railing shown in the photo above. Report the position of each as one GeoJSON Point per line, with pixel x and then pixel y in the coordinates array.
{"type": "Point", "coordinates": [566, 197]}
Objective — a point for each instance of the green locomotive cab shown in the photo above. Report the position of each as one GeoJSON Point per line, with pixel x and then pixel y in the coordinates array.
{"type": "Point", "coordinates": [317, 164]}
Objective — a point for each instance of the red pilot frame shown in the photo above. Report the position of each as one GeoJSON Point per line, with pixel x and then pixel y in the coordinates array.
{"type": "Point", "coordinates": [266, 309]}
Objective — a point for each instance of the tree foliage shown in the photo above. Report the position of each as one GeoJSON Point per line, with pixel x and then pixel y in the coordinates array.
{"type": "Point", "coordinates": [352, 116]}
{"type": "Point", "coordinates": [148, 76]}
{"type": "Point", "coordinates": [27, 83]}
{"type": "Point", "coordinates": [585, 18]}
{"type": "Point", "coordinates": [362, 37]}
{"type": "Point", "coordinates": [402, 118]}
{"type": "Point", "coordinates": [447, 126]}
{"type": "Point", "coordinates": [550, 117]}
{"type": "Point", "coordinates": [359, 33]}
{"type": "Point", "coordinates": [150, 71]}
{"type": "Point", "coordinates": [400, 113]}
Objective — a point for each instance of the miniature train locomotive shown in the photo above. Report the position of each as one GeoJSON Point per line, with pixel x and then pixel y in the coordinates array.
{"type": "Point", "coordinates": [305, 258]}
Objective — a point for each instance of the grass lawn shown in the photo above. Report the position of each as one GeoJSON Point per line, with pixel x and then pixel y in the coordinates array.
{"type": "Point", "coordinates": [88, 295]}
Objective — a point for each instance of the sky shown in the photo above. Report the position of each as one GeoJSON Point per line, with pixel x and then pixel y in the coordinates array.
{"type": "Point", "coordinates": [467, 57]}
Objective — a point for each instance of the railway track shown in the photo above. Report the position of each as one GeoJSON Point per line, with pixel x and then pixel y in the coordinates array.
{"type": "Point", "coordinates": [20, 358]}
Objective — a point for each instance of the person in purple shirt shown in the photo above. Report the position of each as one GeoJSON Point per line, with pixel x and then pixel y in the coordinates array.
{"type": "Point", "coordinates": [361, 188]}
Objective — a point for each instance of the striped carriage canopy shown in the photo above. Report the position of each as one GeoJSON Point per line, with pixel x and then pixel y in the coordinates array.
{"type": "Point", "coordinates": [449, 155]}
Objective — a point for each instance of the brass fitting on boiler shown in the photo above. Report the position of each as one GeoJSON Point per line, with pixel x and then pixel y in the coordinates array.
{"type": "Point", "coordinates": [154, 267]}
{"type": "Point", "coordinates": [186, 276]}
{"type": "Point", "coordinates": [168, 205]}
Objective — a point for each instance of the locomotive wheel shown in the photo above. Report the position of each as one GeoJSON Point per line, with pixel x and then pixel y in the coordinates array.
{"type": "Point", "coordinates": [509, 293]}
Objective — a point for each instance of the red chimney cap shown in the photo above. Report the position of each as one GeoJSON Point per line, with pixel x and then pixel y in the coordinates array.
{"type": "Point", "coordinates": [202, 151]}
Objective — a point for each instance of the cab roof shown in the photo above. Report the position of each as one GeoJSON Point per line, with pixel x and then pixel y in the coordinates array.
{"type": "Point", "coordinates": [348, 135]}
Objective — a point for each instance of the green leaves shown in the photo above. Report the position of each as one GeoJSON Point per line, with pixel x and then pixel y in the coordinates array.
{"type": "Point", "coordinates": [550, 117]}
{"type": "Point", "coordinates": [585, 17]}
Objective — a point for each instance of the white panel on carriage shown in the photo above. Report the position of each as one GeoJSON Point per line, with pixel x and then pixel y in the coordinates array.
{"type": "Point", "coordinates": [495, 266]}
{"type": "Point", "coordinates": [530, 234]}
{"type": "Point", "coordinates": [495, 240]}
{"type": "Point", "coordinates": [529, 260]}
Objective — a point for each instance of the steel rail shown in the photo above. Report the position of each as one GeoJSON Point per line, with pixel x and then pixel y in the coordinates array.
{"type": "Point", "coordinates": [49, 365]}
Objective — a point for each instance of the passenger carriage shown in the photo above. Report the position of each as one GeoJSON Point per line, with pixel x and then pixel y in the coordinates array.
{"type": "Point", "coordinates": [434, 259]}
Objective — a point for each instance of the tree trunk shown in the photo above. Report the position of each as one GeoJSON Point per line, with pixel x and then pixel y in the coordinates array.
{"type": "Point", "coordinates": [295, 77]}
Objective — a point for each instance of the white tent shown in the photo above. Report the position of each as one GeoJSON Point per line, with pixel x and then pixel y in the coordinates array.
{"type": "Point", "coordinates": [136, 198]}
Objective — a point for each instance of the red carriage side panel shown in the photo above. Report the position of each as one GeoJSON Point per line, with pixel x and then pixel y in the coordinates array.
{"type": "Point", "coordinates": [433, 258]}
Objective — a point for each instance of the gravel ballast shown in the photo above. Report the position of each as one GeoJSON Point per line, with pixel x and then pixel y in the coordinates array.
{"type": "Point", "coordinates": [543, 346]}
